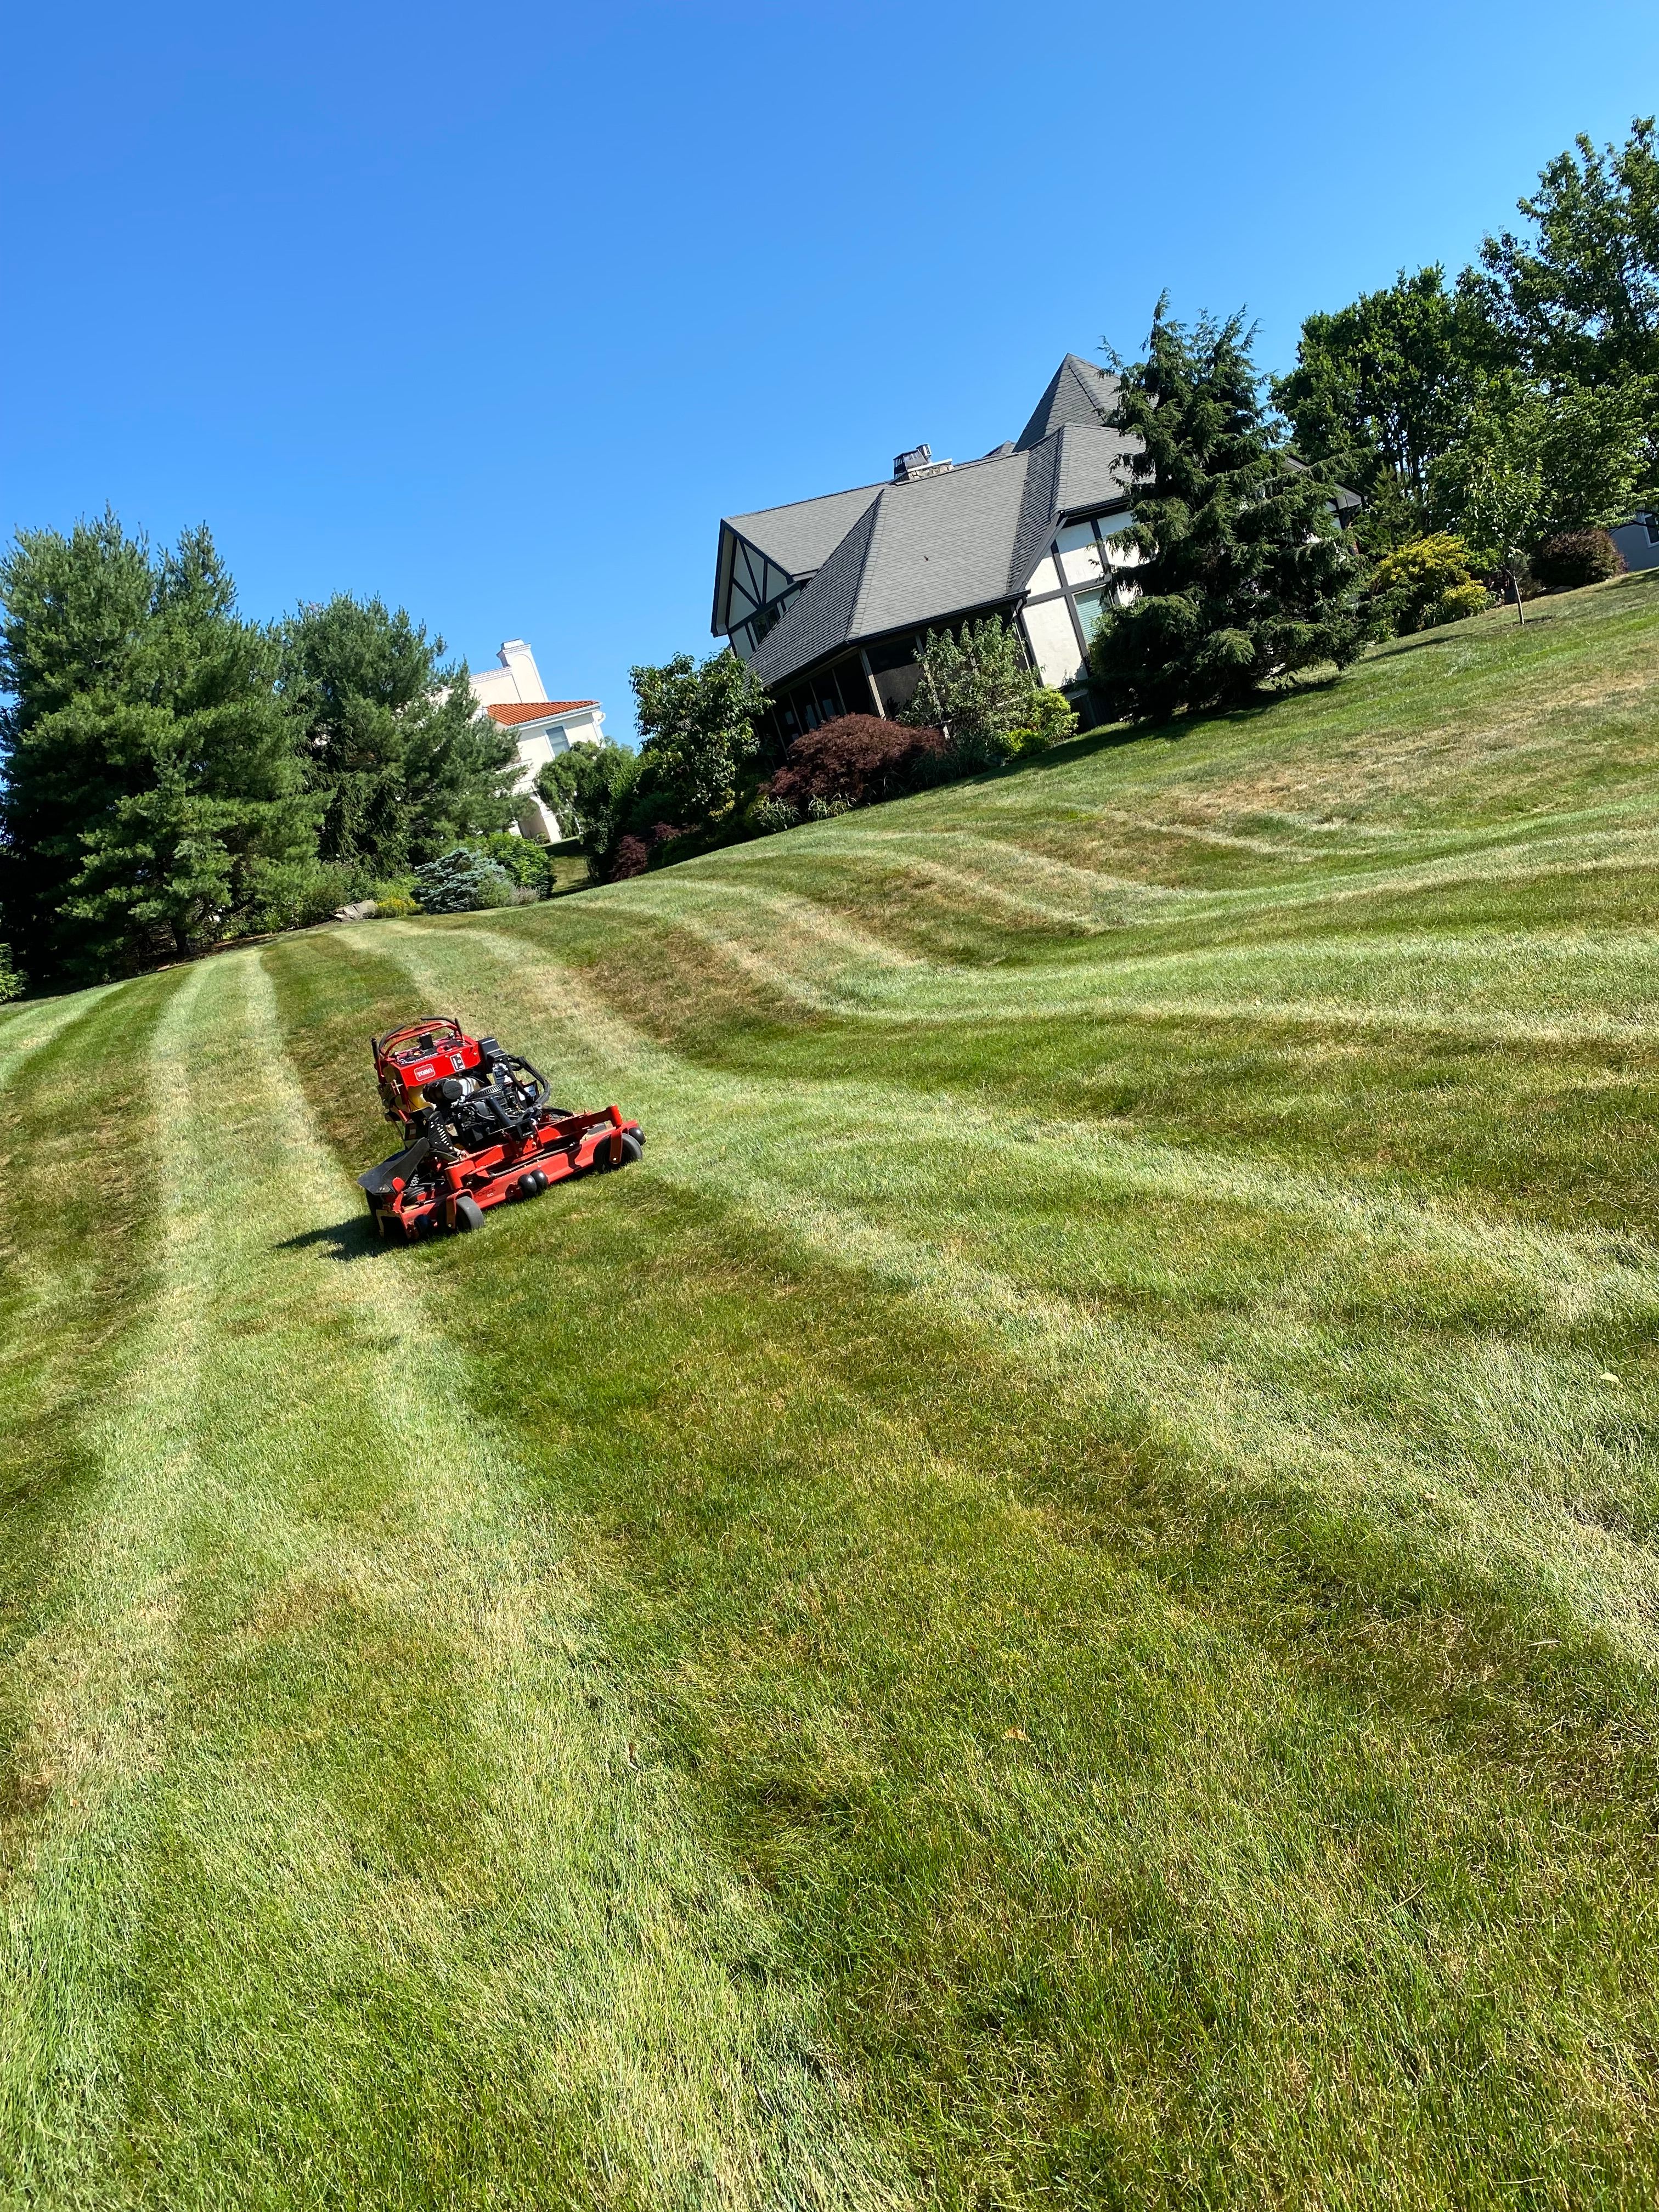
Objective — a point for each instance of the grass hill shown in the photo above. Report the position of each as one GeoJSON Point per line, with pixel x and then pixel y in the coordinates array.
{"type": "Point", "coordinates": [1054, 1603]}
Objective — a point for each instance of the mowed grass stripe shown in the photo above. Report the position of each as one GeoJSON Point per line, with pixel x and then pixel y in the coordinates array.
{"type": "Point", "coordinates": [359, 1891]}
{"type": "Point", "coordinates": [1279, 1360]}
{"type": "Point", "coordinates": [1118, 1878]}
{"type": "Point", "coordinates": [1132, 1529]}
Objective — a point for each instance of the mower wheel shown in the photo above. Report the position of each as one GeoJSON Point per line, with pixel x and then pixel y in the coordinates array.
{"type": "Point", "coordinates": [469, 1214]}
{"type": "Point", "coordinates": [632, 1150]}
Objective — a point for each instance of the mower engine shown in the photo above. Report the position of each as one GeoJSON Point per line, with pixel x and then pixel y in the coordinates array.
{"type": "Point", "coordinates": [479, 1131]}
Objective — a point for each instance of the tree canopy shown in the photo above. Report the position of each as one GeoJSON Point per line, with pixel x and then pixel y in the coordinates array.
{"type": "Point", "coordinates": [699, 730]}
{"type": "Point", "coordinates": [1577, 299]}
{"type": "Point", "coordinates": [1381, 389]}
{"type": "Point", "coordinates": [404, 765]}
{"type": "Point", "coordinates": [152, 798]}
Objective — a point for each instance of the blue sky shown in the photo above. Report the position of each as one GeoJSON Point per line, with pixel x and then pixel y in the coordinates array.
{"type": "Point", "coordinates": [495, 310]}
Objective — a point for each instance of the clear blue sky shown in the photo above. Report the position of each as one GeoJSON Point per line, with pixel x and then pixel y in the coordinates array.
{"type": "Point", "coordinates": [495, 309]}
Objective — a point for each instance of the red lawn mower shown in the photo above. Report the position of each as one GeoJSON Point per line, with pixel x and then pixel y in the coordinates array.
{"type": "Point", "coordinates": [480, 1131]}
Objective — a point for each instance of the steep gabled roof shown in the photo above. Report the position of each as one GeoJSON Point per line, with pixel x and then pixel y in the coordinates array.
{"type": "Point", "coordinates": [1079, 397]}
{"type": "Point", "coordinates": [925, 551]}
{"type": "Point", "coordinates": [801, 536]}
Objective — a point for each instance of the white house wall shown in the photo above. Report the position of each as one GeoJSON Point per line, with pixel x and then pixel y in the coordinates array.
{"type": "Point", "coordinates": [1053, 641]}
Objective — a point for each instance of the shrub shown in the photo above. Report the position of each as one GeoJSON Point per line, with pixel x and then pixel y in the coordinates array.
{"type": "Point", "coordinates": [978, 687]}
{"type": "Point", "coordinates": [1049, 722]}
{"type": "Point", "coordinates": [525, 859]}
{"type": "Point", "coordinates": [856, 759]}
{"type": "Point", "coordinates": [315, 896]}
{"type": "Point", "coordinates": [1424, 582]}
{"type": "Point", "coordinates": [394, 905]}
{"type": "Point", "coordinates": [769, 816]}
{"type": "Point", "coordinates": [631, 858]}
{"type": "Point", "coordinates": [461, 881]}
{"type": "Point", "coordinates": [1574, 558]}
{"type": "Point", "coordinates": [11, 983]}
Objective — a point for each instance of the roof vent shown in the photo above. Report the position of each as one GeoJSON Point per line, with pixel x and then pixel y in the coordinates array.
{"type": "Point", "coordinates": [917, 461]}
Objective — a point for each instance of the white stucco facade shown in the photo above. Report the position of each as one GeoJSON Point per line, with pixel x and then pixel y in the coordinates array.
{"type": "Point", "coordinates": [514, 695]}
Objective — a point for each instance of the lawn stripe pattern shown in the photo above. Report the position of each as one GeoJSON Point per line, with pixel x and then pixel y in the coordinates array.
{"type": "Point", "coordinates": [1053, 1603]}
{"type": "Point", "coordinates": [353, 1874]}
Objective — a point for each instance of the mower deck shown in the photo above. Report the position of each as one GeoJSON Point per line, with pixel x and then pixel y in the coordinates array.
{"type": "Point", "coordinates": [481, 1132]}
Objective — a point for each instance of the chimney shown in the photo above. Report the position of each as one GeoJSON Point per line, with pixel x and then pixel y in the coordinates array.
{"type": "Point", "coordinates": [917, 461]}
{"type": "Point", "coordinates": [519, 663]}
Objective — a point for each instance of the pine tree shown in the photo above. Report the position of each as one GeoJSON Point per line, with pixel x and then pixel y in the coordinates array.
{"type": "Point", "coordinates": [1244, 574]}
{"type": "Point", "coordinates": [404, 765]}
{"type": "Point", "coordinates": [152, 799]}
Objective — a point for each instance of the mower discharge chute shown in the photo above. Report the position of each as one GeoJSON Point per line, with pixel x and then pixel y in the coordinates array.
{"type": "Point", "coordinates": [478, 1131]}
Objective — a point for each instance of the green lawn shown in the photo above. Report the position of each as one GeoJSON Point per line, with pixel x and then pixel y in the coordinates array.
{"type": "Point", "coordinates": [1055, 1604]}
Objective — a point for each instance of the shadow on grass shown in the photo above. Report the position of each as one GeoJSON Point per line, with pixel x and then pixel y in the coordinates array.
{"type": "Point", "coordinates": [343, 1240]}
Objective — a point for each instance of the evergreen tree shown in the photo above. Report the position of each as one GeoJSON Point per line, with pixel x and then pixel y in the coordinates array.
{"type": "Point", "coordinates": [152, 800]}
{"type": "Point", "coordinates": [1244, 574]}
{"type": "Point", "coordinates": [394, 747]}
{"type": "Point", "coordinates": [461, 881]}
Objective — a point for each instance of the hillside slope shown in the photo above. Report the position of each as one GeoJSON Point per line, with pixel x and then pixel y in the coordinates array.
{"type": "Point", "coordinates": [1054, 1603]}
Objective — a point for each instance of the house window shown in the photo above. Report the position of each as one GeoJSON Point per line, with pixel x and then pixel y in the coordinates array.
{"type": "Point", "coordinates": [1089, 604]}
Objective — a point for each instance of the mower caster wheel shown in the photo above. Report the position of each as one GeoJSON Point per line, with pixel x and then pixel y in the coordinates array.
{"type": "Point", "coordinates": [632, 1150]}
{"type": "Point", "coordinates": [469, 1214]}
{"type": "Point", "coordinates": [532, 1184]}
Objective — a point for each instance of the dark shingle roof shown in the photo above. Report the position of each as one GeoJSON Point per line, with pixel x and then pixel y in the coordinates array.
{"type": "Point", "coordinates": [924, 551]}
{"type": "Point", "coordinates": [1079, 397]}
{"type": "Point", "coordinates": [889, 557]}
{"type": "Point", "coordinates": [801, 536]}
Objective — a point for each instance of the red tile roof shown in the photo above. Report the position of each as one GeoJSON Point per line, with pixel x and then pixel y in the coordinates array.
{"type": "Point", "coordinates": [537, 710]}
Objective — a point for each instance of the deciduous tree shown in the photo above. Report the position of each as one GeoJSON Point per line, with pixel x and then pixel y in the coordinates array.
{"type": "Point", "coordinates": [1382, 388]}
{"type": "Point", "coordinates": [977, 685]}
{"type": "Point", "coordinates": [1578, 298]}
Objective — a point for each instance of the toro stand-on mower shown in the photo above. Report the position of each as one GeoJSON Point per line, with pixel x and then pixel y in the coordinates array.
{"type": "Point", "coordinates": [479, 1131]}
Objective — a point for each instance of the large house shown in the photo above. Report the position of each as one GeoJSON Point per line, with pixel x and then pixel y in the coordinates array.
{"type": "Point", "coordinates": [828, 599]}
{"type": "Point", "coordinates": [514, 695]}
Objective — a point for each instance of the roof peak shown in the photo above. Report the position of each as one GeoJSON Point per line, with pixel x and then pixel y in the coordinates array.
{"type": "Point", "coordinates": [1079, 397]}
